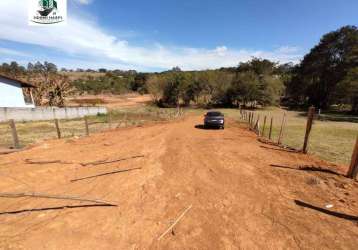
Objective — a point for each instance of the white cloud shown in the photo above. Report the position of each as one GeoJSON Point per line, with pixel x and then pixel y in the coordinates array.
{"type": "Point", "coordinates": [10, 52]}
{"type": "Point", "coordinates": [288, 49]}
{"type": "Point", "coordinates": [85, 2]}
{"type": "Point", "coordinates": [85, 38]}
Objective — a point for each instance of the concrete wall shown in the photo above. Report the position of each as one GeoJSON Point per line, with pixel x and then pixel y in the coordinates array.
{"type": "Point", "coordinates": [48, 113]}
{"type": "Point", "coordinates": [11, 94]}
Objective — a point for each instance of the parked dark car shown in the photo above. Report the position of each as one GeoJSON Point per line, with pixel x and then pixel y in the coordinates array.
{"type": "Point", "coordinates": [214, 119]}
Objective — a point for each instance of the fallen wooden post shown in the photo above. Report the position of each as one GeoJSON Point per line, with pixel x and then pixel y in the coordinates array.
{"type": "Point", "coordinates": [280, 137]}
{"type": "Point", "coordinates": [353, 168]}
{"type": "Point", "coordinates": [55, 208]}
{"type": "Point", "coordinates": [310, 117]}
{"type": "Point", "coordinates": [58, 129]}
{"type": "Point", "coordinates": [100, 162]}
{"type": "Point", "coordinates": [103, 174]}
{"type": "Point", "coordinates": [57, 197]}
{"type": "Point", "coordinates": [175, 222]}
{"type": "Point", "coordinates": [15, 137]}
{"type": "Point", "coordinates": [30, 161]}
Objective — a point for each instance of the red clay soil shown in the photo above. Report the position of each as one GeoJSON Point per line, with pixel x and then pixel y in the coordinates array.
{"type": "Point", "coordinates": [111, 101]}
{"type": "Point", "coordinates": [239, 199]}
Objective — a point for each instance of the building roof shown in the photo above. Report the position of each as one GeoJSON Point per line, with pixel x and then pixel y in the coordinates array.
{"type": "Point", "coordinates": [23, 84]}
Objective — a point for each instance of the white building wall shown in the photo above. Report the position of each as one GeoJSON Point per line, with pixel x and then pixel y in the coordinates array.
{"type": "Point", "coordinates": [11, 94]}
{"type": "Point", "coordinates": [48, 113]}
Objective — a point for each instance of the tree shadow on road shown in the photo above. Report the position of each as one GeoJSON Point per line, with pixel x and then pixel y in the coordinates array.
{"type": "Point", "coordinates": [308, 168]}
{"type": "Point", "coordinates": [326, 211]}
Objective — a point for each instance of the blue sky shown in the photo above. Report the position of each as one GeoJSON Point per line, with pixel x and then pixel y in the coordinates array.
{"type": "Point", "coordinates": [160, 34]}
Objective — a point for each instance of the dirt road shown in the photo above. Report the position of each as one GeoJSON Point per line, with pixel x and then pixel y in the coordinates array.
{"type": "Point", "coordinates": [239, 199]}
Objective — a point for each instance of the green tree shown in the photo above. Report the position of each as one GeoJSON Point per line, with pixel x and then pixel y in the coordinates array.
{"type": "Point", "coordinates": [328, 64]}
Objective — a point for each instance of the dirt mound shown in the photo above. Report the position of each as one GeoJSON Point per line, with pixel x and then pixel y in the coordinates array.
{"type": "Point", "coordinates": [111, 101]}
{"type": "Point", "coordinates": [243, 194]}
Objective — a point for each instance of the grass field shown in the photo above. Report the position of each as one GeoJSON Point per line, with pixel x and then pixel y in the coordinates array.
{"type": "Point", "coordinates": [32, 132]}
{"type": "Point", "coordinates": [331, 140]}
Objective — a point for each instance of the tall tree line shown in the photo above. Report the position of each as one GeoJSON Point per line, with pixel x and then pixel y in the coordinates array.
{"type": "Point", "coordinates": [255, 82]}
{"type": "Point", "coordinates": [328, 74]}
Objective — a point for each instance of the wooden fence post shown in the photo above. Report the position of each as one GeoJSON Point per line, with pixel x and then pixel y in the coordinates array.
{"type": "Point", "coordinates": [253, 120]}
{"type": "Point", "coordinates": [270, 133]}
{"type": "Point", "coordinates": [14, 134]}
{"type": "Point", "coordinates": [310, 117]}
{"type": "Point", "coordinates": [263, 127]}
{"type": "Point", "coordinates": [86, 125]}
{"type": "Point", "coordinates": [353, 168]}
{"type": "Point", "coordinates": [256, 126]}
{"type": "Point", "coordinates": [58, 129]}
{"type": "Point", "coordinates": [109, 120]}
{"type": "Point", "coordinates": [280, 137]}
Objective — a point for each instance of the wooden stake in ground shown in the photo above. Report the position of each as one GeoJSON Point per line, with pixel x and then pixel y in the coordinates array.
{"type": "Point", "coordinates": [109, 120]}
{"type": "Point", "coordinates": [252, 120]}
{"type": "Point", "coordinates": [353, 169]}
{"type": "Point", "coordinates": [175, 222]}
{"type": "Point", "coordinates": [263, 127]}
{"type": "Point", "coordinates": [280, 137]}
{"type": "Point", "coordinates": [270, 133]}
{"type": "Point", "coordinates": [86, 125]}
{"type": "Point", "coordinates": [14, 134]}
{"type": "Point", "coordinates": [256, 126]}
{"type": "Point", "coordinates": [310, 117]}
{"type": "Point", "coordinates": [58, 129]}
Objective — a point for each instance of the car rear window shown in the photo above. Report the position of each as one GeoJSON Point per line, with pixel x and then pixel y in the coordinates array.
{"type": "Point", "coordinates": [214, 114]}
